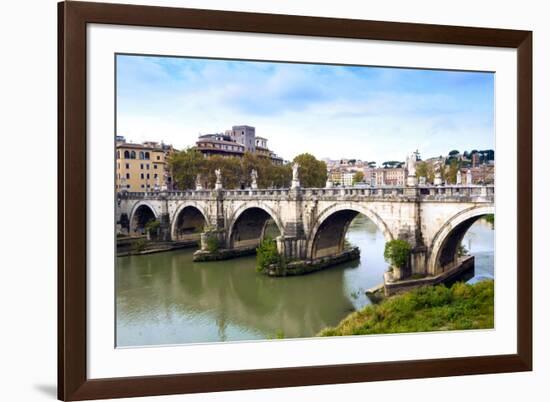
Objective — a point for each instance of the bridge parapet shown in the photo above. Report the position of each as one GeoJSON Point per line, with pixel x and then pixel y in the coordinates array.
{"type": "Point", "coordinates": [459, 193]}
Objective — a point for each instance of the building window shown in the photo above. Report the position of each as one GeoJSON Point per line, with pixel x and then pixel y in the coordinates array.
{"type": "Point", "coordinates": [141, 166]}
{"type": "Point", "coordinates": [141, 155]}
{"type": "Point", "coordinates": [127, 175]}
{"type": "Point", "coordinates": [147, 175]}
{"type": "Point", "coordinates": [147, 155]}
{"type": "Point", "coordinates": [141, 175]}
{"type": "Point", "coordinates": [127, 166]}
{"type": "Point", "coordinates": [133, 155]}
{"type": "Point", "coordinates": [158, 157]}
{"type": "Point", "coordinates": [147, 166]}
{"type": "Point", "coordinates": [118, 154]}
{"type": "Point", "coordinates": [126, 155]}
{"type": "Point", "coordinates": [142, 186]}
{"type": "Point", "coordinates": [154, 166]}
{"type": "Point", "coordinates": [156, 176]}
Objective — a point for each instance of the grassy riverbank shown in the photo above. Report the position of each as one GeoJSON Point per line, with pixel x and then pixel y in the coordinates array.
{"type": "Point", "coordinates": [434, 308]}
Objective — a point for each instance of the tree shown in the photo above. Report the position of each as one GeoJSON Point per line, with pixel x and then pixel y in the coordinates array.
{"type": "Point", "coordinates": [451, 171]}
{"type": "Point", "coordinates": [358, 177]}
{"type": "Point", "coordinates": [454, 153]}
{"type": "Point", "coordinates": [185, 166]}
{"type": "Point", "coordinates": [391, 164]}
{"type": "Point", "coordinates": [232, 173]}
{"type": "Point", "coordinates": [425, 169]}
{"type": "Point", "coordinates": [312, 172]}
{"type": "Point", "coordinates": [397, 252]}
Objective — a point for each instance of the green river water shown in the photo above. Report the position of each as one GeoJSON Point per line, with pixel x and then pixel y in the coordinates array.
{"type": "Point", "coordinates": [165, 298]}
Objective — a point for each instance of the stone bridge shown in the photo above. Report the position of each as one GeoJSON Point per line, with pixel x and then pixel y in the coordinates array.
{"type": "Point", "coordinates": [312, 222]}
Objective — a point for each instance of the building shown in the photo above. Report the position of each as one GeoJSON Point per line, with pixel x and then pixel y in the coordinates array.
{"type": "Point", "coordinates": [484, 174]}
{"type": "Point", "coordinates": [245, 135]}
{"type": "Point", "coordinates": [219, 144]}
{"type": "Point", "coordinates": [236, 142]}
{"type": "Point", "coordinates": [475, 159]}
{"type": "Point", "coordinates": [390, 176]}
{"type": "Point", "coordinates": [142, 167]}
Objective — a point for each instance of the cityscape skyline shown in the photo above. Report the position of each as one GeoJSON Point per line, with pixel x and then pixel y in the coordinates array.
{"type": "Point", "coordinates": [384, 113]}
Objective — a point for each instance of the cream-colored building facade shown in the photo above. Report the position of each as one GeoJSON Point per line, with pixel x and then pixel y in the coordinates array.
{"type": "Point", "coordinates": [142, 167]}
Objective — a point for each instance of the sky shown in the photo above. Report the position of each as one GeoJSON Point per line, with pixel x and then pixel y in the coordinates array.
{"type": "Point", "coordinates": [368, 113]}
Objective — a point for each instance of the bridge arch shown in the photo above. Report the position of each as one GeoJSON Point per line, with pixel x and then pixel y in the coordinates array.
{"type": "Point", "coordinates": [188, 221]}
{"type": "Point", "coordinates": [141, 213]}
{"type": "Point", "coordinates": [248, 224]}
{"type": "Point", "coordinates": [331, 226]}
{"type": "Point", "coordinates": [444, 247]}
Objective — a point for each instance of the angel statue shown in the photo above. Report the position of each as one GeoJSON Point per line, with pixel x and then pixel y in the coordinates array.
{"type": "Point", "coordinates": [218, 173]}
{"type": "Point", "coordinates": [295, 167]}
{"type": "Point", "coordinates": [411, 164]}
{"type": "Point", "coordinates": [254, 177]}
{"type": "Point", "coordinates": [295, 179]}
{"type": "Point", "coordinates": [198, 184]}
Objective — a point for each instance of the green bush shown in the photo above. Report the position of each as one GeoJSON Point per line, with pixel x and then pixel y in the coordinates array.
{"type": "Point", "coordinates": [267, 254]}
{"type": "Point", "coordinates": [397, 252]}
{"type": "Point", "coordinates": [152, 227]}
{"type": "Point", "coordinates": [139, 245]}
{"type": "Point", "coordinates": [212, 244]}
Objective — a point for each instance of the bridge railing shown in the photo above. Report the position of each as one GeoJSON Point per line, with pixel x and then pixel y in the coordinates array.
{"type": "Point", "coordinates": [426, 192]}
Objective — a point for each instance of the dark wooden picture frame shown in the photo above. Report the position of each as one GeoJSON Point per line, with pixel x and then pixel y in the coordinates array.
{"type": "Point", "coordinates": [73, 383]}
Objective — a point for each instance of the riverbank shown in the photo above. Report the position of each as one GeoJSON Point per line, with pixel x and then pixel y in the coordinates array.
{"type": "Point", "coordinates": [141, 246]}
{"type": "Point", "coordinates": [432, 308]}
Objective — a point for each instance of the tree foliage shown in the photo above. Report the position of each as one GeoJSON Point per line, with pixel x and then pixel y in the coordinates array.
{"type": "Point", "coordinates": [187, 164]}
{"type": "Point", "coordinates": [392, 164]}
{"type": "Point", "coordinates": [312, 172]}
{"type": "Point", "coordinates": [425, 169]}
{"type": "Point", "coordinates": [267, 254]}
{"type": "Point", "coordinates": [397, 252]}
{"type": "Point", "coordinates": [451, 171]}
{"type": "Point", "coordinates": [358, 177]}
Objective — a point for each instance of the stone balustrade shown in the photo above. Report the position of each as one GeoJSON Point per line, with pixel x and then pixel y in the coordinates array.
{"type": "Point", "coordinates": [421, 193]}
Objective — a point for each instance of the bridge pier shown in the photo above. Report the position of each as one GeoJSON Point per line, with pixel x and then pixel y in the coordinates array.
{"type": "Point", "coordinates": [292, 247]}
{"type": "Point", "coordinates": [165, 232]}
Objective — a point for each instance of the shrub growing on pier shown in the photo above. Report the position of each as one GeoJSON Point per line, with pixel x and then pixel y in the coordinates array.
{"type": "Point", "coordinates": [267, 254]}
{"type": "Point", "coordinates": [212, 244]}
{"type": "Point", "coordinates": [397, 252]}
{"type": "Point", "coordinates": [152, 228]}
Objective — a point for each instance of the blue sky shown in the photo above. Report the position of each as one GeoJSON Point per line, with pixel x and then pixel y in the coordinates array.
{"type": "Point", "coordinates": [369, 113]}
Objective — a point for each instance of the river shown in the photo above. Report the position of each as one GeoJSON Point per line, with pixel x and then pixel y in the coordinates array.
{"type": "Point", "coordinates": [165, 298]}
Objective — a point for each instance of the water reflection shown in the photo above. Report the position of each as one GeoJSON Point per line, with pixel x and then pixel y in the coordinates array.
{"type": "Point", "coordinates": [165, 298]}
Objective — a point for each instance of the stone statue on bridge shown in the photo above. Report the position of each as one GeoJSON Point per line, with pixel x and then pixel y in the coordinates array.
{"type": "Point", "coordinates": [438, 181]}
{"type": "Point", "coordinates": [218, 173]}
{"type": "Point", "coordinates": [411, 169]}
{"type": "Point", "coordinates": [295, 178]}
{"type": "Point", "coordinates": [198, 183]}
{"type": "Point", "coordinates": [459, 177]}
{"type": "Point", "coordinates": [469, 177]}
{"type": "Point", "coordinates": [254, 177]}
